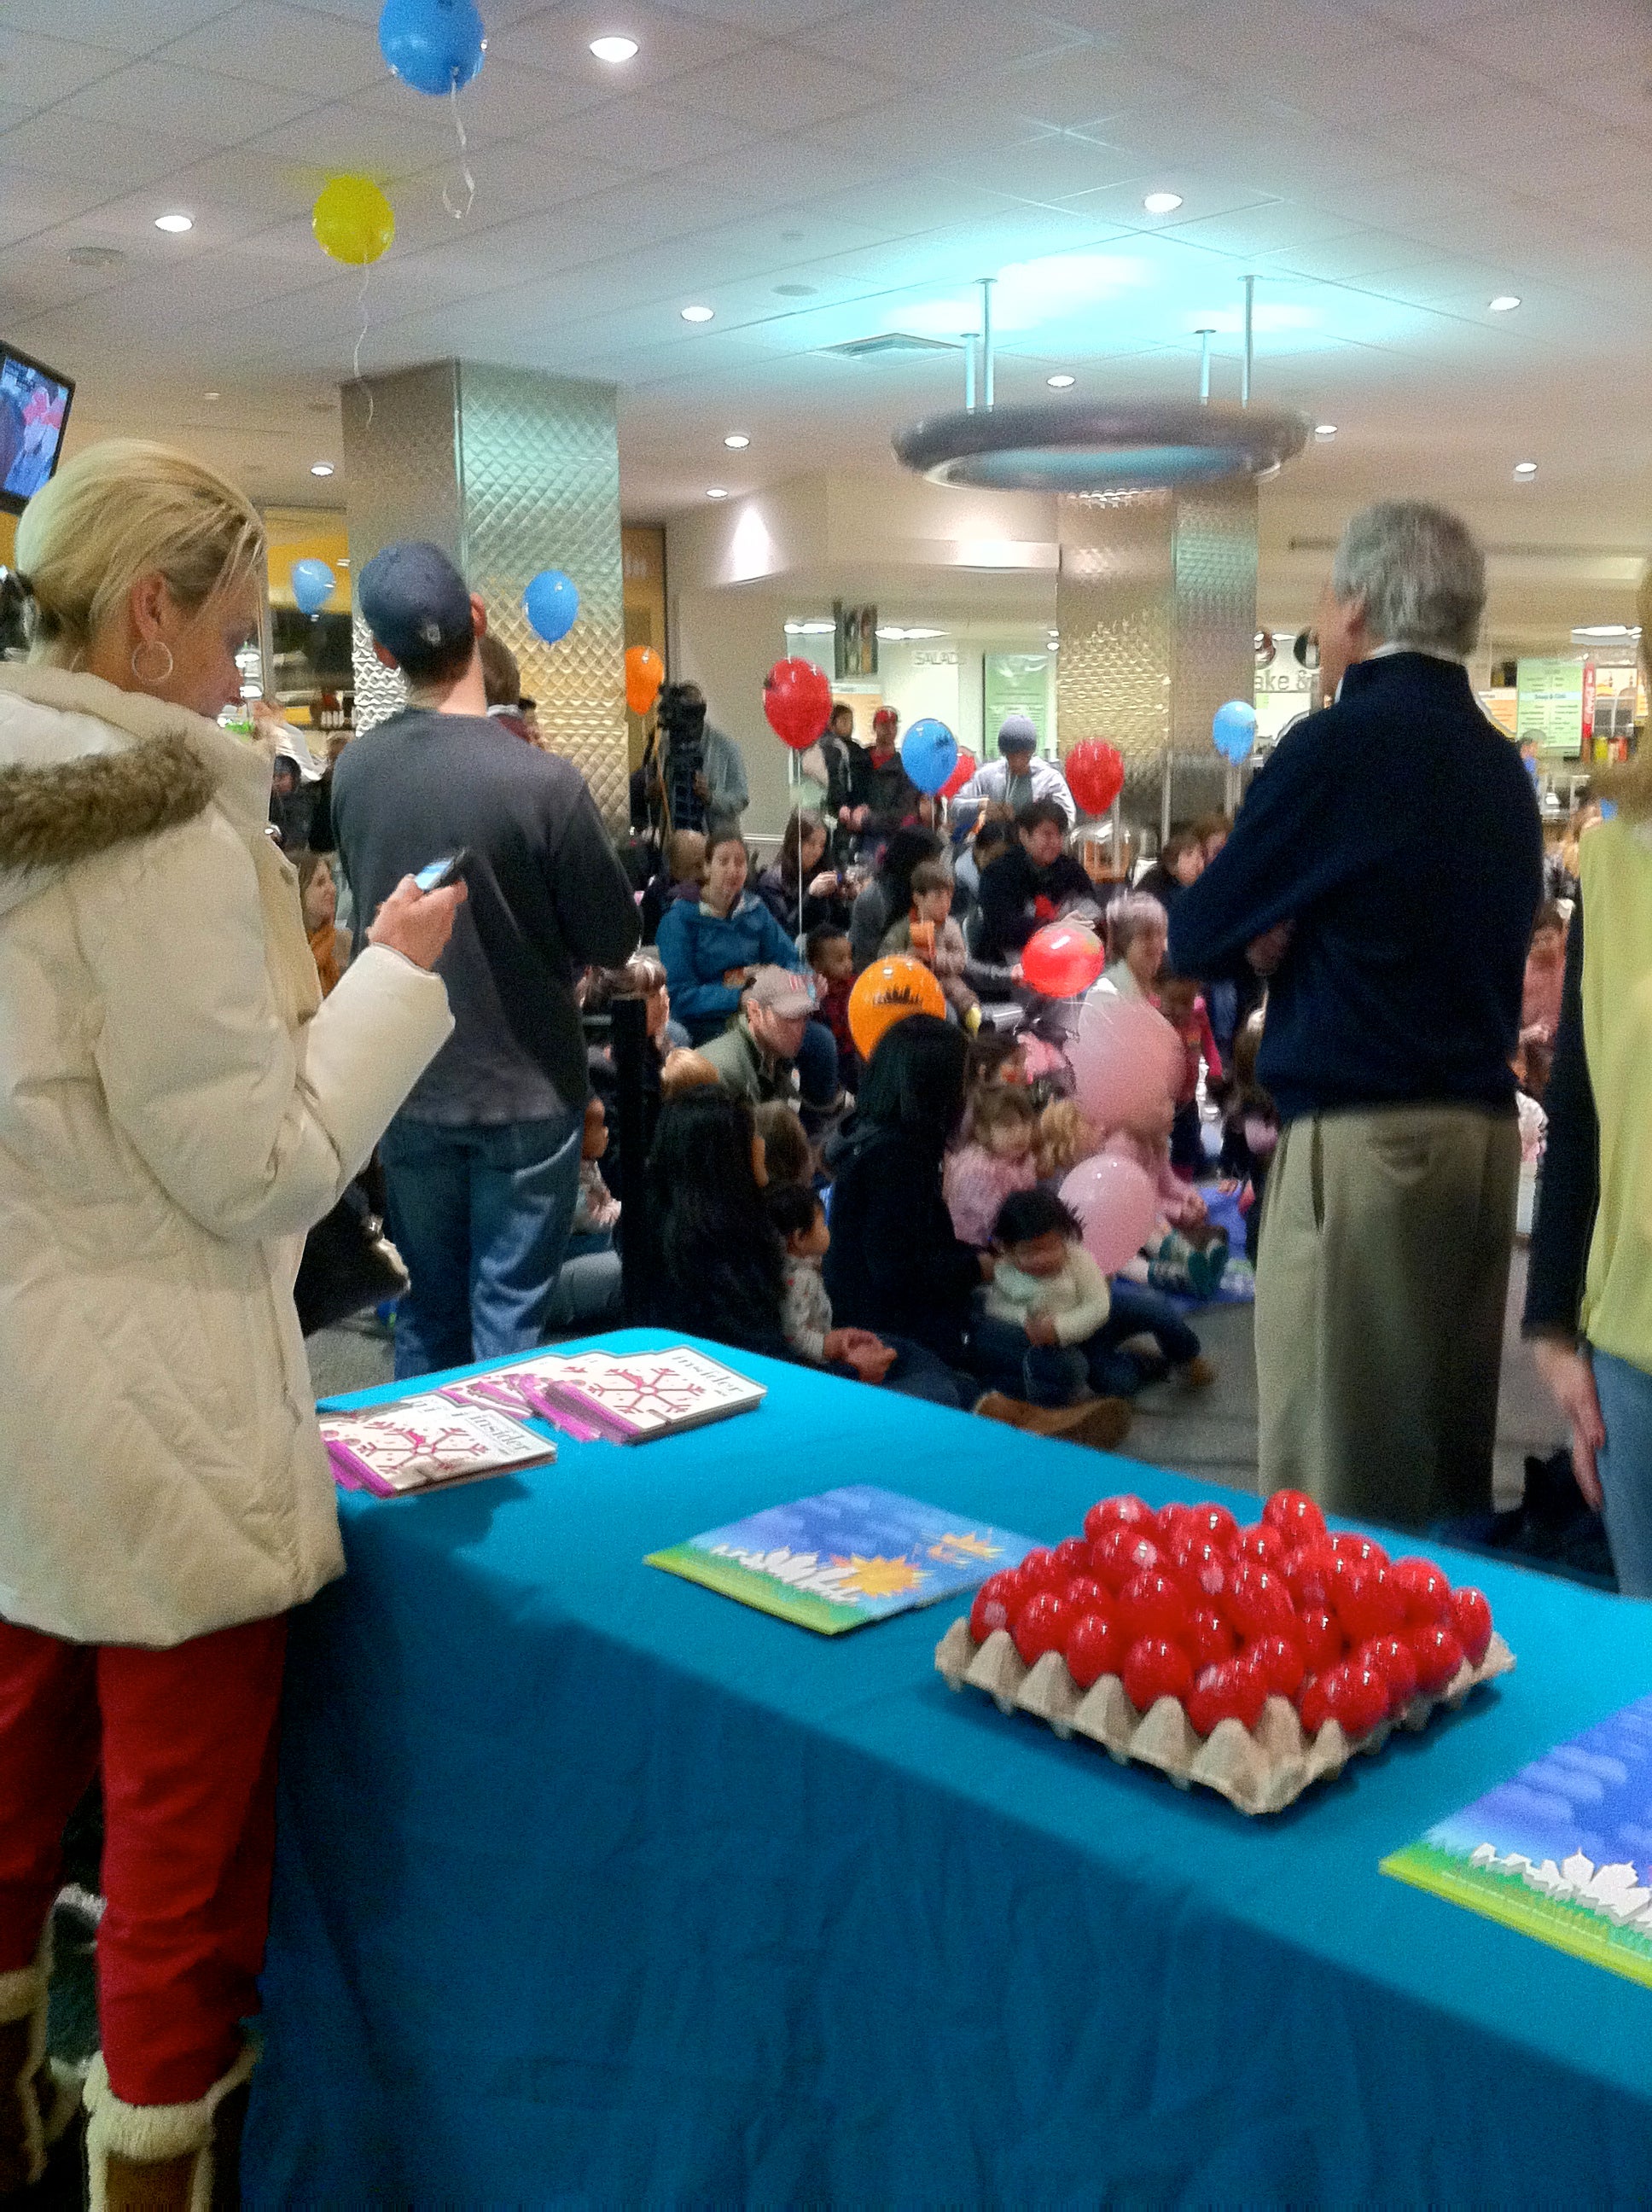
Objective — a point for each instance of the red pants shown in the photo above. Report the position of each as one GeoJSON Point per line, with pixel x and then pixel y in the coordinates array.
{"type": "Point", "coordinates": [186, 1741]}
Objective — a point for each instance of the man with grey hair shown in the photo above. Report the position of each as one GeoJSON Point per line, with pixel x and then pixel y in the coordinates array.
{"type": "Point", "coordinates": [1385, 869]}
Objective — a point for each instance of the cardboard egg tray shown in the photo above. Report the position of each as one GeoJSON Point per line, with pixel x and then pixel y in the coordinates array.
{"type": "Point", "coordinates": [1259, 1772]}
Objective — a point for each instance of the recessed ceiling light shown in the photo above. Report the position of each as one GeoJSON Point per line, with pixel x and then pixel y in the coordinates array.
{"type": "Point", "coordinates": [321, 468]}
{"type": "Point", "coordinates": [1325, 429]}
{"type": "Point", "coordinates": [716, 491]}
{"type": "Point", "coordinates": [737, 441]}
{"type": "Point", "coordinates": [795, 291]}
{"type": "Point", "coordinates": [1060, 383]}
{"type": "Point", "coordinates": [343, 560]}
{"type": "Point", "coordinates": [212, 395]}
{"type": "Point", "coordinates": [177, 224]}
{"type": "Point", "coordinates": [1525, 468]}
{"type": "Point", "coordinates": [1601, 630]}
{"type": "Point", "coordinates": [1504, 302]}
{"type": "Point", "coordinates": [613, 50]}
{"type": "Point", "coordinates": [1162, 202]}
{"type": "Point", "coordinates": [698, 314]}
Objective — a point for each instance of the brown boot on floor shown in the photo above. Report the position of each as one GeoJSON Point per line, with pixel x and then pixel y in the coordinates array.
{"type": "Point", "coordinates": [1101, 1422]}
{"type": "Point", "coordinates": [165, 2158]}
{"type": "Point", "coordinates": [1197, 1373]}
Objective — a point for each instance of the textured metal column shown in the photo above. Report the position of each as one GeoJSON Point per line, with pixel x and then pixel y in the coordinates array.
{"type": "Point", "coordinates": [1155, 603]}
{"type": "Point", "coordinates": [510, 472]}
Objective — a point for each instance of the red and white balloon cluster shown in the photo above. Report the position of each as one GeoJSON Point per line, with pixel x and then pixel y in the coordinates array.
{"type": "Point", "coordinates": [1184, 1603]}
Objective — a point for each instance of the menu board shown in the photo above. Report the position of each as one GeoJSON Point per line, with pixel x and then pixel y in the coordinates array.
{"type": "Point", "coordinates": [1548, 706]}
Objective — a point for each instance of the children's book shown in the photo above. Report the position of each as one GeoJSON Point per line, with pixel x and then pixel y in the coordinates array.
{"type": "Point", "coordinates": [626, 1398]}
{"type": "Point", "coordinates": [1562, 1850]}
{"type": "Point", "coordinates": [423, 1442]}
{"type": "Point", "coordinates": [832, 1562]}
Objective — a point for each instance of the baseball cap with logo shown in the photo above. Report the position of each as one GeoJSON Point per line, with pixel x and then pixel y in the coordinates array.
{"type": "Point", "coordinates": [415, 602]}
{"type": "Point", "coordinates": [782, 992]}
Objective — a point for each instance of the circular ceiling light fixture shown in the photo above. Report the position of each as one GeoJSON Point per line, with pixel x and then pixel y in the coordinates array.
{"type": "Point", "coordinates": [698, 314]}
{"type": "Point", "coordinates": [1526, 469]}
{"type": "Point", "coordinates": [1325, 429]}
{"type": "Point", "coordinates": [716, 491]}
{"type": "Point", "coordinates": [1061, 383]}
{"type": "Point", "coordinates": [614, 50]}
{"type": "Point", "coordinates": [175, 224]}
{"type": "Point", "coordinates": [737, 441]}
{"type": "Point", "coordinates": [1162, 202]}
{"type": "Point", "coordinates": [212, 395]}
{"type": "Point", "coordinates": [1053, 446]}
{"type": "Point", "coordinates": [320, 468]}
{"type": "Point", "coordinates": [1504, 304]}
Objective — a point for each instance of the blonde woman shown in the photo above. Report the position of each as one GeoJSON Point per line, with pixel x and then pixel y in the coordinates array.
{"type": "Point", "coordinates": [176, 1108]}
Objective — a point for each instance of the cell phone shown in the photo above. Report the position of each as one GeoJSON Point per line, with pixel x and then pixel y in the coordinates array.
{"type": "Point", "coordinates": [437, 875]}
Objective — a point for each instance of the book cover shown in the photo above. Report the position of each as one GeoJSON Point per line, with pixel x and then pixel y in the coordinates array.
{"type": "Point", "coordinates": [425, 1440]}
{"type": "Point", "coordinates": [628, 1397]}
{"type": "Point", "coordinates": [1562, 1850]}
{"type": "Point", "coordinates": [836, 1561]}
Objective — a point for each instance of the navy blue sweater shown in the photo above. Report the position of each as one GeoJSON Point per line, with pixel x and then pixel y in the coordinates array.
{"type": "Point", "coordinates": [1398, 832]}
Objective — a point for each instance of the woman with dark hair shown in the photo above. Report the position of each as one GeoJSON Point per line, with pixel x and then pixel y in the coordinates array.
{"type": "Point", "coordinates": [802, 890]}
{"type": "Point", "coordinates": [889, 894]}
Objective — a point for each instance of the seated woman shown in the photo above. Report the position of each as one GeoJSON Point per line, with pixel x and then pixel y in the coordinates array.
{"type": "Point", "coordinates": [713, 948]}
{"type": "Point", "coordinates": [803, 890]}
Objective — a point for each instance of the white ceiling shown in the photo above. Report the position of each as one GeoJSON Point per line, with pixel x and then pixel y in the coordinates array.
{"type": "Point", "coordinates": [1384, 167]}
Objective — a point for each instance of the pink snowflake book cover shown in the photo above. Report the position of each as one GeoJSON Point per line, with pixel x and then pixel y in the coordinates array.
{"type": "Point", "coordinates": [628, 1397]}
{"type": "Point", "coordinates": [423, 1441]}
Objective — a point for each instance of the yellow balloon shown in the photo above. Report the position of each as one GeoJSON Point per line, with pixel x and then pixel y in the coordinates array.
{"type": "Point", "coordinates": [353, 220]}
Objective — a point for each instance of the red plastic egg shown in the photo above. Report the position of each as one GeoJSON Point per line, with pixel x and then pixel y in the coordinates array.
{"type": "Point", "coordinates": [1214, 1522]}
{"type": "Point", "coordinates": [1111, 1512]}
{"type": "Point", "coordinates": [1323, 1644]}
{"type": "Point", "coordinates": [996, 1601]}
{"type": "Point", "coordinates": [1120, 1552]}
{"type": "Point", "coordinates": [1356, 1696]}
{"type": "Point", "coordinates": [1039, 1570]}
{"type": "Point", "coordinates": [1279, 1659]}
{"type": "Point", "coordinates": [1295, 1515]}
{"type": "Point", "coordinates": [1202, 1564]}
{"type": "Point", "coordinates": [1094, 1647]}
{"type": "Point", "coordinates": [1368, 1604]}
{"type": "Point", "coordinates": [1427, 1593]}
{"type": "Point", "coordinates": [1470, 1614]}
{"type": "Point", "coordinates": [1226, 1691]}
{"type": "Point", "coordinates": [1363, 1550]}
{"type": "Point", "coordinates": [1396, 1660]}
{"type": "Point", "coordinates": [1266, 1545]}
{"type": "Point", "coordinates": [1258, 1603]}
{"type": "Point", "coordinates": [1041, 1625]}
{"type": "Point", "coordinates": [1154, 1668]}
{"type": "Point", "coordinates": [1085, 1594]}
{"type": "Point", "coordinates": [1072, 1556]}
{"type": "Point", "coordinates": [1311, 1574]}
{"type": "Point", "coordinates": [1171, 1520]}
{"type": "Point", "coordinates": [1209, 1639]}
{"type": "Point", "coordinates": [1152, 1605]}
{"type": "Point", "coordinates": [1312, 1709]}
{"type": "Point", "coordinates": [1439, 1654]}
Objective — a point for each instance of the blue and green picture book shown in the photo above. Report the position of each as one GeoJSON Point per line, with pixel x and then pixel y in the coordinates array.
{"type": "Point", "coordinates": [848, 1556]}
{"type": "Point", "coordinates": [1562, 1850]}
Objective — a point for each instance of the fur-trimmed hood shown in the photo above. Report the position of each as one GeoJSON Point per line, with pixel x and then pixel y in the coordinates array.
{"type": "Point", "coordinates": [84, 768]}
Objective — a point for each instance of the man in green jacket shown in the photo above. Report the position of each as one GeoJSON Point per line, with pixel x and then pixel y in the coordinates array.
{"type": "Point", "coordinates": [754, 1055]}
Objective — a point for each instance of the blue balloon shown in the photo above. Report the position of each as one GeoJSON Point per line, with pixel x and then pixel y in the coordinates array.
{"type": "Point", "coordinates": [552, 605]}
{"type": "Point", "coordinates": [434, 45]}
{"type": "Point", "coordinates": [929, 753]}
{"type": "Point", "coordinates": [312, 586]}
{"type": "Point", "coordinates": [1234, 730]}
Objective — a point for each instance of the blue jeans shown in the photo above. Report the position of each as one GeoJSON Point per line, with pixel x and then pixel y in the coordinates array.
{"type": "Point", "coordinates": [587, 1294]}
{"type": "Point", "coordinates": [1140, 1311]}
{"type": "Point", "coordinates": [481, 1215]}
{"type": "Point", "coordinates": [1624, 1466]}
{"type": "Point", "coordinates": [1043, 1374]}
{"type": "Point", "coordinates": [816, 1066]}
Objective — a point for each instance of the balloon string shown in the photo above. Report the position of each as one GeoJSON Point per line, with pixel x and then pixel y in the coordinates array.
{"type": "Point", "coordinates": [458, 213]}
{"type": "Point", "coordinates": [360, 337]}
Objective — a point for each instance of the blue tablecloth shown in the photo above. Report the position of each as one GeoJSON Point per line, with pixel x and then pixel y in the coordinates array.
{"type": "Point", "coordinates": [593, 1886]}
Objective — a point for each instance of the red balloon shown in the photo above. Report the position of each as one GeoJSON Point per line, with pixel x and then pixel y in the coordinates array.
{"type": "Point", "coordinates": [1062, 959]}
{"type": "Point", "coordinates": [1095, 773]}
{"type": "Point", "coordinates": [1472, 1616]}
{"type": "Point", "coordinates": [1154, 1668]}
{"type": "Point", "coordinates": [961, 774]}
{"type": "Point", "coordinates": [1094, 1648]}
{"type": "Point", "coordinates": [797, 703]}
{"type": "Point", "coordinates": [1042, 1624]}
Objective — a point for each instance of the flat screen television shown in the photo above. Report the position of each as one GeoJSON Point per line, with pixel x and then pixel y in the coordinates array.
{"type": "Point", "coordinates": [34, 402]}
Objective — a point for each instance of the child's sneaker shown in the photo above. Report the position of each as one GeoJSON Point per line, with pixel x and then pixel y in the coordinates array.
{"type": "Point", "coordinates": [1197, 1373]}
{"type": "Point", "coordinates": [1206, 1270]}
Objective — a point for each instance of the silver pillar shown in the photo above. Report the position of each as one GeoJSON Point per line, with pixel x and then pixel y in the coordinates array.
{"type": "Point", "coordinates": [511, 472]}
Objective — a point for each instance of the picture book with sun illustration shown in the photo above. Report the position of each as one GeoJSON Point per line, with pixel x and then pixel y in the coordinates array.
{"type": "Point", "coordinates": [846, 1557]}
{"type": "Point", "coordinates": [1562, 1850]}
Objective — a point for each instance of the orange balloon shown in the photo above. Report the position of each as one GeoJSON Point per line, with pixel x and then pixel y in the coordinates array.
{"type": "Point", "coordinates": [886, 993]}
{"type": "Point", "coordinates": [645, 671]}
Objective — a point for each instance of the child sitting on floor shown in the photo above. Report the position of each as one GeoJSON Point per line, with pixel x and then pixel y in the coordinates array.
{"type": "Point", "coordinates": [1250, 1129]}
{"type": "Point", "coordinates": [791, 1156]}
{"type": "Point", "coordinates": [910, 1370]}
{"type": "Point", "coordinates": [1184, 1253]}
{"type": "Point", "coordinates": [1040, 1331]}
{"type": "Point", "coordinates": [1180, 1003]}
{"type": "Point", "coordinates": [1064, 1138]}
{"type": "Point", "coordinates": [929, 933]}
{"type": "Point", "coordinates": [586, 1293]}
{"type": "Point", "coordinates": [832, 958]}
{"type": "Point", "coordinates": [684, 1069]}
{"type": "Point", "coordinates": [997, 1159]}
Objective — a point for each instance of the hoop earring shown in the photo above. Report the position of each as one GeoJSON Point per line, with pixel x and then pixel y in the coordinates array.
{"type": "Point", "coordinates": [161, 675]}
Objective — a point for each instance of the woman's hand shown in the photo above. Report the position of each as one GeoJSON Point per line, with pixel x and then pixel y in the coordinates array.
{"type": "Point", "coordinates": [1570, 1380]}
{"type": "Point", "coordinates": [1039, 1328]}
{"type": "Point", "coordinates": [824, 883]}
{"type": "Point", "coordinates": [738, 979]}
{"type": "Point", "coordinates": [417, 924]}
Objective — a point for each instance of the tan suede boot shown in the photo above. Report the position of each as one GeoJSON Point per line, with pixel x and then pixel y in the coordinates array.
{"type": "Point", "coordinates": [1099, 1422]}
{"type": "Point", "coordinates": [165, 2158]}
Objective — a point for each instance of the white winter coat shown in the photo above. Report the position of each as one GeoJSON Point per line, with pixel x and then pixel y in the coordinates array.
{"type": "Point", "coordinates": [176, 1107]}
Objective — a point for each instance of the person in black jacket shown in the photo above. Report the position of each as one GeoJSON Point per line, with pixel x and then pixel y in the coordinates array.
{"type": "Point", "coordinates": [1387, 865]}
{"type": "Point", "coordinates": [803, 890]}
{"type": "Point", "coordinates": [1035, 882]}
{"type": "Point", "coordinates": [881, 795]}
{"type": "Point", "coordinates": [482, 1164]}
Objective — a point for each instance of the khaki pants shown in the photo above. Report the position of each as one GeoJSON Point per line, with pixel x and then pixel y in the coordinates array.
{"type": "Point", "coordinates": [1380, 1279]}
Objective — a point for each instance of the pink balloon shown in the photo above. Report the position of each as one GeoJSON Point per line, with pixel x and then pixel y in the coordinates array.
{"type": "Point", "coordinates": [1126, 1061]}
{"type": "Point", "coordinates": [1116, 1206]}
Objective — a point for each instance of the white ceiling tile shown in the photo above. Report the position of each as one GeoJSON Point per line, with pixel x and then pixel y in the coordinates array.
{"type": "Point", "coordinates": [777, 88]}
{"type": "Point", "coordinates": [124, 30]}
{"type": "Point", "coordinates": [294, 49]}
{"type": "Point", "coordinates": [1056, 167]}
{"type": "Point", "coordinates": [638, 135]}
{"type": "Point", "coordinates": [187, 103]}
{"type": "Point", "coordinates": [351, 138]}
{"type": "Point", "coordinates": [30, 202]}
{"type": "Point", "coordinates": [512, 101]}
{"type": "Point", "coordinates": [927, 41]}
{"type": "Point", "coordinates": [34, 71]}
{"type": "Point", "coordinates": [1285, 42]}
{"type": "Point", "coordinates": [911, 133]}
{"type": "Point", "coordinates": [56, 144]}
{"type": "Point", "coordinates": [774, 18]}
{"type": "Point", "coordinates": [1087, 84]}
{"type": "Point", "coordinates": [558, 39]}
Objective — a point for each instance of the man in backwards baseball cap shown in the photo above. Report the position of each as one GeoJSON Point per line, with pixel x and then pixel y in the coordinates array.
{"type": "Point", "coordinates": [753, 1057]}
{"type": "Point", "coordinates": [482, 1164]}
